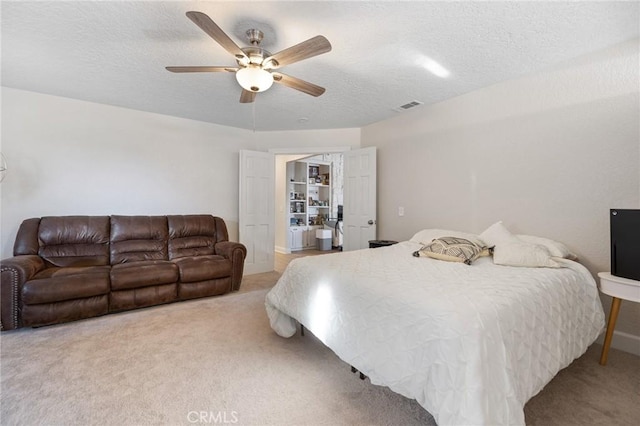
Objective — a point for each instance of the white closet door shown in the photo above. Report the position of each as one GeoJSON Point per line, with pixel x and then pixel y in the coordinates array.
{"type": "Point", "coordinates": [256, 210]}
{"type": "Point", "coordinates": [359, 214]}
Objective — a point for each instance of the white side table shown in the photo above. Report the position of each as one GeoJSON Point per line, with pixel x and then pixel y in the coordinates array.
{"type": "Point", "coordinates": [619, 288]}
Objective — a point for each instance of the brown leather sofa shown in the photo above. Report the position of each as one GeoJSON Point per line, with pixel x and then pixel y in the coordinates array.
{"type": "Point", "coordinates": [67, 268]}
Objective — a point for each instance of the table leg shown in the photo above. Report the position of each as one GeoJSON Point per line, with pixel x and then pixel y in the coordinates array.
{"type": "Point", "coordinates": [611, 325]}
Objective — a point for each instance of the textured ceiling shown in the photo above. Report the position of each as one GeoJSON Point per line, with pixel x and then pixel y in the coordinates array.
{"type": "Point", "coordinates": [115, 53]}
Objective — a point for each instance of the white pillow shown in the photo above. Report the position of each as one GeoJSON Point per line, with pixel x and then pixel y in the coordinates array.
{"type": "Point", "coordinates": [519, 253]}
{"type": "Point", "coordinates": [556, 248]}
{"type": "Point", "coordinates": [509, 250]}
{"type": "Point", "coordinates": [426, 236]}
{"type": "Point", "coordinates": [497, 234]}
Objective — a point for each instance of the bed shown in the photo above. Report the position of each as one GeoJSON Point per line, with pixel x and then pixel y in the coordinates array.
{"type": "Point", "coordinates": [471, 343]}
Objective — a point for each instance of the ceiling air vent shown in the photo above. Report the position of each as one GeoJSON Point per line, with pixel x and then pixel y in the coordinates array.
{"type": "Point", "coordinates": [407, 106]}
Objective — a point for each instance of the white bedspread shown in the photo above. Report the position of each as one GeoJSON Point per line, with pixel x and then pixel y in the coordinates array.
{"type": "Point", "coordinates": [472, 344]}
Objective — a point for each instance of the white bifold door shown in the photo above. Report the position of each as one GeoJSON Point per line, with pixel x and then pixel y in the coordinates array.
{"type": "Point", "coordinates": [256, 214]}
{"type": "Point", "coordinates": [359, 214]}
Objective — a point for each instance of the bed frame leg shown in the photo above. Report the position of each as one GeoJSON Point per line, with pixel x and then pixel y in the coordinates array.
{"type": "Point", "coordinates": [355, 370]}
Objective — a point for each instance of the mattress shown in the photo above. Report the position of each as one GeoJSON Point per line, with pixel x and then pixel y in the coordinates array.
{"type": "Point", "coordinates": [471, 343]}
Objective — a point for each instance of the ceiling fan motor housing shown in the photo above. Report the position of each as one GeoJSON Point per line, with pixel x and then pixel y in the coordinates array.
{"type": "Point", "coordinates": [255, 36]}
{"type": "Point", "coordinates": [254, 56]}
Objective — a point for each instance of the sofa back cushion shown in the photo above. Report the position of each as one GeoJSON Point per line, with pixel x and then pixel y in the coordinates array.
{"type": "Point", "coordinates": [27, 238]}
{"type": "Point", "coordinates": [68, 241]}
{"type": "Point", "coordinates": [137, 238]}
{"type": "Point", "coordinates": [193, 235]}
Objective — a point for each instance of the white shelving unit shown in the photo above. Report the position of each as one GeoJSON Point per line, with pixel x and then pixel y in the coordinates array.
{"type": "Point", "coordinates": [309, 201]}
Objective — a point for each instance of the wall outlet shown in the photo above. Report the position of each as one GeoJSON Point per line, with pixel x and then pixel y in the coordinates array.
{"type": "Point", "coordinates": [400, 211]}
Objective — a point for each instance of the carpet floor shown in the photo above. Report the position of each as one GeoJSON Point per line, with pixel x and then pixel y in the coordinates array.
{"type": "Point", "coordinates": [217, 361]}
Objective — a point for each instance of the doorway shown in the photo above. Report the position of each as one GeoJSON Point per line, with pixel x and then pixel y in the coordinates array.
{"type": "Point", "coordinates": [303, 207]}
{"type": "Point", "coordinates": [257, 209]}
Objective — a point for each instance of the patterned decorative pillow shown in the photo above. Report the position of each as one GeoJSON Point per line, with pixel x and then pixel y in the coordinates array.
{"type": "Point", "coordinates": [453, 249]}
{"type": "Point", "coordinates": [425, 236]}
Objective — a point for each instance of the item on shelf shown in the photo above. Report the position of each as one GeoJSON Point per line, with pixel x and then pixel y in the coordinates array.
{"type": "Point", "coordinates": [317, 220]}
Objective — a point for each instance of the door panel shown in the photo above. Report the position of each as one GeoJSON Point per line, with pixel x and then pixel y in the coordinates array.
{"type": "Point", "coordinates": [359, 198]}
{"type": "Point", "coordinates": [256, 210]}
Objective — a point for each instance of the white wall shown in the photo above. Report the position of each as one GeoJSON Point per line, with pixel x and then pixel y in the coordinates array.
{"type": "Point", "coordinates": [70, 157]}
{"type": "Point", "coordinates": [548, 154]}
{"type": "Point", "coordinates": [306, 141]}
{"type": "Point", "coordinates": [73, 157]}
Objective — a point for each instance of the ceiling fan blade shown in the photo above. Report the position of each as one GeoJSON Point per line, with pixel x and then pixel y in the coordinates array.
{"type": "Point", "coordinates": [296, 83]}
{"type": "Point", "coordinates": [246, 97]}
{"type": "Point", "coordinates": [307, 49]}
{"type": "Point", "coordinates": [202, 69]}
{"type": "Point", "coordinates": [215, 32]}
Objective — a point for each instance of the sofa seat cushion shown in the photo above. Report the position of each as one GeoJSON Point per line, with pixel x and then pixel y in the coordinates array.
{"type": "Point", "coordinates": [201, 268]}
{"type": "Point", "coordinates": [59, 284]}
{"type": "Point", "coordinates": [143, 274]}
{"type": "Point", "coordinates": [122, 300]}
{"type": "Point", "coordinates": [204, 288]}
{"type": "Point", "coordinates": [67, 310]}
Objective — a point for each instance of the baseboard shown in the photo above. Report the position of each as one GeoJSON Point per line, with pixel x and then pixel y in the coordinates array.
{"type": "Point", "coordinates": [282, 250]}
{"type": "Point", "coordinates": [624, 342]}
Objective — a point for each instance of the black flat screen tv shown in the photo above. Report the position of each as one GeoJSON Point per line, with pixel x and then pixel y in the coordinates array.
{"type": "Point", "coordinates": [625, 243]}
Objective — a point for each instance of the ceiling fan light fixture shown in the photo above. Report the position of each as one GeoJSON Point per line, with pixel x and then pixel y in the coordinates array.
{"type": "Point", "coordinates": [254, 79]}
{"type": "Point", "coordinates": [243, 61]}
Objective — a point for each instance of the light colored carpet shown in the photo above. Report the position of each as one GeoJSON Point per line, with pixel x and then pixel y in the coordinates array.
{"type": "Point", "coordinates": [216, 360]}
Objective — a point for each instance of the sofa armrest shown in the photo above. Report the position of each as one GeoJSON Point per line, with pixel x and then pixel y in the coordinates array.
{"type": "Point", "coordinates": [15, 272]}
{"type": "Point", "coordinates": [235, 252]}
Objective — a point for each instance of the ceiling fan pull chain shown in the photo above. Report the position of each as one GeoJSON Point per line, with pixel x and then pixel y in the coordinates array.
{"type": "Point", "coordinates": [253, 109]}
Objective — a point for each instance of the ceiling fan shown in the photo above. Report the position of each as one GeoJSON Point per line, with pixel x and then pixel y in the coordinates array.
{"type": "Point", "coordinates": [255, 70]}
